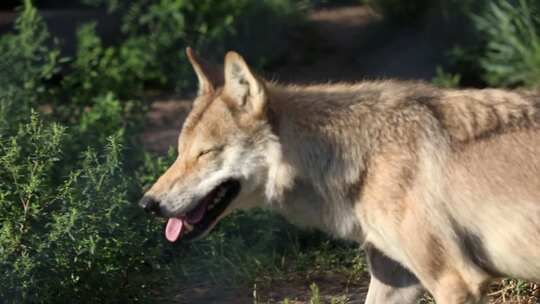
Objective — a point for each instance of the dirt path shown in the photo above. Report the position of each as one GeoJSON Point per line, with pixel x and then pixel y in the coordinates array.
{"type": "Point", "coordinates": [355, 44]}
{"type": "Point", "coordinates": [332, 287]}
{"type": "Point", "coordinates": [341, 44]}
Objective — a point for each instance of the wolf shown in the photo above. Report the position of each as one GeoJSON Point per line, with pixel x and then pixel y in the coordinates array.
{"type": "Point", "coordinates": [441, 187]}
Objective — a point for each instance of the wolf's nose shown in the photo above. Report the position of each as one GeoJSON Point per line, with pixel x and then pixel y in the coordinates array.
{"type": "Point", "coordinates": [150, 205]}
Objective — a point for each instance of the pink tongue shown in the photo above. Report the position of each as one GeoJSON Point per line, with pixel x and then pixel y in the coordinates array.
{"type": "Point", "coordinates": [173, 231]}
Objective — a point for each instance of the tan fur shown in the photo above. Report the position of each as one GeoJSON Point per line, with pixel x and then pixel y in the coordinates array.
{"type": "Point", "coordinates": [446, 183]}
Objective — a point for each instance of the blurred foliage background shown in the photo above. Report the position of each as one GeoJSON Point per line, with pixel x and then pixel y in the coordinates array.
{"type": "Point", "coordinates": [72, 165]}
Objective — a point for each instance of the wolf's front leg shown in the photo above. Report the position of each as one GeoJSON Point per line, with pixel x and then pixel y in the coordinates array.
{"type": "Point", "coordinates": [390, 282]}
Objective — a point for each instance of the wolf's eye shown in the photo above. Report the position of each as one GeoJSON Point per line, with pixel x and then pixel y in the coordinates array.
{"type": "Point", "coordinates": [209, 151]}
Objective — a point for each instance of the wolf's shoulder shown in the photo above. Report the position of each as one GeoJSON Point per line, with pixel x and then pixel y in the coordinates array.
{"type": "Point", "coordinates": [475, 114]}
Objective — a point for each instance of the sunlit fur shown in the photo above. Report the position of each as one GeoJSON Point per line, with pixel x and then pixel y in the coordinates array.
{"type": "Point", "coordinates": [442, 187]}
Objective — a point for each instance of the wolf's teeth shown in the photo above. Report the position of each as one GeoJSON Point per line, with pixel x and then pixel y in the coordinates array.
{"type": "Point", "coordinates": [220, 194]}
{"type": "Point", "coordinates": [189, 227]}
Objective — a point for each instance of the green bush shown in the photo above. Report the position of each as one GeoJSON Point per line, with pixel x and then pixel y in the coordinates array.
{"type": "Point", "coordinates": [162, 29]}
{"type": "Point", "coordinates": [68, 230]}
{"type": "Point", "coordinates": [511, 53]}
{"type": "Point", "coordinates": [96, 70]}
{"type": "Point", "coordinates": [502, 48]}
{"type": "Point", "coordinates": [61, 240]}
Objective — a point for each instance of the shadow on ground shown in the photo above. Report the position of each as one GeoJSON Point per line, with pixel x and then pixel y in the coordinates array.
{"type": "Point", "coordinates": [296, 290]}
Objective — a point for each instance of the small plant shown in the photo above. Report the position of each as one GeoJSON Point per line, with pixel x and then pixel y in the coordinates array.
{"type": "Point", "coordinates": [315, 294]}
{"type": "Point", "coordinates": [446, 80]}
{"type": "Point", "coordinates": [339, 300]}
{"type": "Point", "coordinates": [255, 295]}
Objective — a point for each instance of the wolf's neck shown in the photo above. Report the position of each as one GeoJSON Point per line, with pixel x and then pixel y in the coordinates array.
{"type": "Point", "coordinates": [323, 131]}
{"type": "Point", "coordinates": [316, 157]}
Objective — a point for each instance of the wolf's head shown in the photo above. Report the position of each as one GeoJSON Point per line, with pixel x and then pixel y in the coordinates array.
{"type": "Point", "coordinates": [225, 151]}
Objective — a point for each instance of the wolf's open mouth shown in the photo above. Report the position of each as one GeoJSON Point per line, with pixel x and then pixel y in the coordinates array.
{"type": "Point", "coordinates": [198, 220]}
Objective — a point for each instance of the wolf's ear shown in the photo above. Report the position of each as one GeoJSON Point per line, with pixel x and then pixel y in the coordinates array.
{"type": "Point", "coordinates": [209, 77]}
{"type": "Point", "coordinates": [242, 86]}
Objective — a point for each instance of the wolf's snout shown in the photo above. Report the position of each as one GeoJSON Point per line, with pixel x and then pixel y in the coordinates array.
{"type": "Point", "coordinates": [150, 205]}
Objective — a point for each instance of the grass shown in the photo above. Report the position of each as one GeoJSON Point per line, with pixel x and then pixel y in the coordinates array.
{"type": "Point", "coordinates": [514, 291]}
{"type": "Point", "coordinates": [259, 250]}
